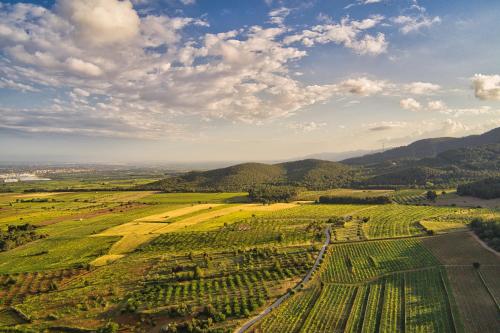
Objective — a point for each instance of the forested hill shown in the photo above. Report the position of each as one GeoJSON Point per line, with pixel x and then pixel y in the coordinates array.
{"type": "Point", "coordinates": [427, 148]}
{"type": "Point", "coordinates": [450, 167]}
{"type": "Point", "coordinates": [310, 173]}
{"type": "Point", "coordinates": [488, 188]}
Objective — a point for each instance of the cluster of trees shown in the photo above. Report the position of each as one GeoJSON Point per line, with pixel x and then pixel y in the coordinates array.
{"type": "Point", "coordinates": [372, 200]}
{"type": "Point", "coordinates": [39, 200]}
{"type": "Point", "coordinates": [339, 221]}
{"type": "Point", "coordinates": [488, 231]}
{"type": "Point", "coordinates": [17, 235]}
{"type": "Point", "coordinates": [488, 188]}
{"type": "Point", "coordinates": [270, 193]}
{"type": "Point", "coordinates": [193, 326]}
{"type": "Point", "coordinates": [431, 195]}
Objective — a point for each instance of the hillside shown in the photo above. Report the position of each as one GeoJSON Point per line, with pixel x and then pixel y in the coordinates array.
{"type": "Point", "coordinates": [312, 174]}
{"type": "Point", "coordinates": [449, 167]}
{"type": "Point", "coordinates": [488, 188]}
{"type": "Point", "coordinates": [427, 148]}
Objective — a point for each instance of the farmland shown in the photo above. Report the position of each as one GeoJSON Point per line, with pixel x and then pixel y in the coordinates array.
{"type": "Point", "coordinates": [209, 262]}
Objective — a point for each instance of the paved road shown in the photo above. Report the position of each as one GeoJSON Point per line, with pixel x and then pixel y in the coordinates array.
{"type": "Point", "coordinates": [280, 300]}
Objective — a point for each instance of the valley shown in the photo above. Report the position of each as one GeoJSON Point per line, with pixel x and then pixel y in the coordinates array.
{"type": "Point", "coordinates": [165, 262]}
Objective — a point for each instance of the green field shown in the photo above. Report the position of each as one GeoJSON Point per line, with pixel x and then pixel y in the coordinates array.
{"type": "Point", "coordinates": [148, 261]}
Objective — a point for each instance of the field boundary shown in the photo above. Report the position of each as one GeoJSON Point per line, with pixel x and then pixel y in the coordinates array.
{"type": "Point", "coordinates": [488, 289]}
{"type": "Point", "coordinates": [448, 301]}
{"type": "Point", "coordinates": [483, 244]}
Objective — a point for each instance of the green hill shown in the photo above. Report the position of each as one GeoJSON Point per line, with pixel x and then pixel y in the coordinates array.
{"type": "Point", "coordinates": [449, 167]}
{"type": "Point", "coordinates": [312, 174]}
{"type": "Point", "coordinates": [427, 148]}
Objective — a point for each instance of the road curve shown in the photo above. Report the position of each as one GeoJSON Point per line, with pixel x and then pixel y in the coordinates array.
{"type": "Point", "coordinates": [280, 300]}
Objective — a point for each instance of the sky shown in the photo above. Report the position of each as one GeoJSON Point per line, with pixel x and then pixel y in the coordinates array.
{"type": "Point", "coordinates": [139, 81]}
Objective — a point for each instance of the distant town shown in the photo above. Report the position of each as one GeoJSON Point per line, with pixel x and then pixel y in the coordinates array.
{"type": "Point", "coordinates": [20, 177]}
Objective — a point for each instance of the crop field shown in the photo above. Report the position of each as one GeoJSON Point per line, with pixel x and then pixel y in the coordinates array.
{"type": "Point", "coordinates": [477, 308]}
{"type": "Point", "coordinates": [247, 233]}
{"type": "Point", "coordinates": [163, 217]}
{"type": "Point", "coordinates": [314, 195]}
{"type": "Point", "coordinates": [14, 287]}
{"type": "Point", "coordinates": [157, 262]}
{"type": "Point", "coordinates": [459, 249]}
{"type": "Point", "coordinates": [389, 221]}
{"type": "Point", "coordinates": [409, 197]}
{"type": "Point", "coordinates": [443, 227]}
{"type": "Point", "coordinates": [320, 211]}
{"type": "Point", "coordinates": [476, 290]}
{"type": "Point", "coordinates": [291, 316]}
{"type": "Point", "coordinates": [358, 262]}
{"type": "Point", "coordinates": [403, 302]}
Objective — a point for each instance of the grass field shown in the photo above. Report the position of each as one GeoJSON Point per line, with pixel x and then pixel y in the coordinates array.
{"type": "Point", "coordinates": [147, 260]}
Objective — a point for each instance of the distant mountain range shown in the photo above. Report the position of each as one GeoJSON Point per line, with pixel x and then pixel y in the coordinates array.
{"type": "Point", "coordinates": [427, 148]}
{"type": "Point", "coordinates": [441, 161]}
{"type": "Point", "coordinates": [336, 157]}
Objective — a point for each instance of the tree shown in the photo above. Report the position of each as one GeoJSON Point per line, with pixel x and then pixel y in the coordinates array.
{"type": "Point", "coordinates": [431, 195]}
{"type": "Point", "coordinates": [110, 327]}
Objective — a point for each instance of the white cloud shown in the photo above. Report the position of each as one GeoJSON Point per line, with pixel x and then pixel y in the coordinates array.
{"type": "Point", "coordinates": [81, 92]}
{"type": "Point", "coordinates": [188, 2]}
{"type": "Point", "coordinates": [451, 126]}
{"type": "Point", "coordinates": [422, 88]}
{"type": "Point", "coordinates": [144, 75]}
{"type": "Point", "coordinates": [78, 66]}
{"type": "Point", "coordinates": [438, 128]}
{"type": "Point", "coordinates": [441, 107]}
{"type": "Point", "coordinates": [409, 24]}
{"type": "Point", "coordinates": [385, 125]}
{"type": "Point", "coordinates": [363, 86]}
{"type": "Point", "coordinates": [436, 106]}
{"type": "Point", "coordinates": [306, 127]}
{"type": "Point", "coordinates": [410, 104]}
{"type": "Point", "coordinates": [101, 21]}
{"type": "Point", "coordinates": [347, 33]}
{"type": "Point", "coordinates": [487, 87]}
{"type": "Point", "coordinates": [277, 16]}
{"type": "Point", "coordinates": [10, 84]}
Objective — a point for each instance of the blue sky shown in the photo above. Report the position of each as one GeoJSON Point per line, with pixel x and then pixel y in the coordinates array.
{"type": "Point", "coordinates": [194, 80]}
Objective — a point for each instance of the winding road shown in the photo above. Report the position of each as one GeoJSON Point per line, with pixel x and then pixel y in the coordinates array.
{"type": "Point", "coordinates": [280, 300]}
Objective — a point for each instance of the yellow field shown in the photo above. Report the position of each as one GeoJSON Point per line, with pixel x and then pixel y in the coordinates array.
{"type": "Point", "coordinates": [139, 232]}
{"type": "Point", "coordinates": [129, 243]}
{"type": "Point", "coordinates": [38, 194]}
{"type": "Point", "coordinates": [106, 259]}
{"type": "Point", "coordinates": [176, 226]}
{"type": "Point", "coordinates": [440, 227]}
{"type": "Point", "coordinates": [139, 228]}
{"type": "Point", "coordinates": [176, 213]}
